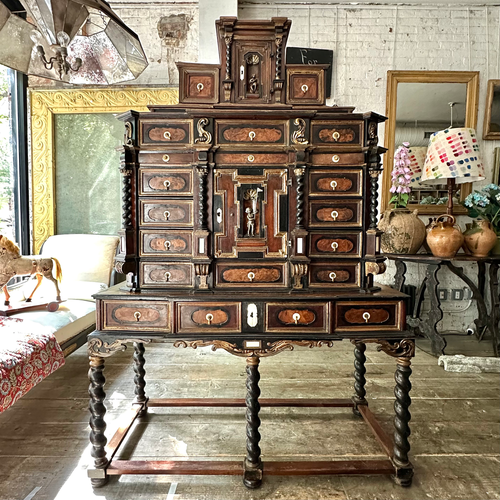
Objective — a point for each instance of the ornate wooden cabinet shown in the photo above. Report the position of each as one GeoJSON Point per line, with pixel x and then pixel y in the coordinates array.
{"type": "Point", "coordinates": [249, 224]}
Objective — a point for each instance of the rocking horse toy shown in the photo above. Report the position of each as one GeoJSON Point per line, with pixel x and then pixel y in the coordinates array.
{"type": "Point", "coordinates": [12, 263]}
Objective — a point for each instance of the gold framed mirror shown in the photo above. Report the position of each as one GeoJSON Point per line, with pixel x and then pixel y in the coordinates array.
{"type": "Point", "coordinates": [419, 103]}
{"type": "Point", "coordinates": [491, 128]}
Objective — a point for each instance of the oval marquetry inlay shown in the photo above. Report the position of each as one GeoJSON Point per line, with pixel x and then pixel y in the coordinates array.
{"type": "Point", "coordinates": [161, 134]}
{"type": "Point", "coordinates": [174, 244]}
{"type": "Point", "coordinates": [340, 276]}
{"type": "Point", "coordinates": [343, 246]}
{"type": "Point", "coordinates": [343, 214]}
{"type": "Point", "coordinates": [175, 275]}
{"type": "Point", "coordinates": [289, 316]}
{"type": "Point", "coordinates": [128, 314]}
{"type": "Point", "coordinates": [325, 184]}
{"type": "Point", "coordinates": [241, 275]}
{"type": "Point", "coordinates": [167, 183]}
{"type": "Point", "coordinates": [337, 135]}
{"type": "Point", "coordinates": [218, 317]}
{"type": "Point", "coordinates": [360, 316]}
{"type": "Point", "coordinates": [259, 134]}
{"type": "Point", "coordinates": [175, 213]}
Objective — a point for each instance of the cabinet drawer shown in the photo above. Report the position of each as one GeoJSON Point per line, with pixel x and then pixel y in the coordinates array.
{"type": "Point", "coordinates": [339, 159]}
{"type": "Point", "coordinates": [335, 213]}
{"type": "Point", "coordinates": [335, 245]}
{"type": "Point", "coordinates": [323, 275]}
{"type": "Point", "coordinates": [166, 158]}
{"type": "Point", "coordinates": [171, 132]}
{"type": "Point", "coordinates": [168, 274]}
{"type": "Point", "coordinates": [337, 133]}
{"type": "Point", "coordinates": [198, 84]}
{"type": "Point", "coordinates": [166, 243]}
{"type": "Point", "coordinates": [334, 183]}
{"type": "Point", "coordinates": [136, 315]}
{"type": "Point", "coordinates": [166, 182]}
{"type": "Point", "coordinates": [373, 316]}
{"type": "Point", "coordinates": [200, 317]}
{"type": "Point", "coordinates": [252, 132]}
{"type": "Point", "coordinates": [305, 85]}
{"type": "Point", "coordinates": [175, 213]}
{"type": "Point", "coordinates": [251, 276]}
{"type": "Point", "coordinates": [251, 159]}
{"type": "Point", "coordinates": [298, 317]}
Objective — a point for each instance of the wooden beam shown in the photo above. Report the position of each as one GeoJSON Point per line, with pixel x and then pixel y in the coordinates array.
{"type": "Point", "coordinates": [121, 433]}
{"type": "Point", "coordinates": [382, 437]}
{"type": "Point", "coordinates": [228, 402]}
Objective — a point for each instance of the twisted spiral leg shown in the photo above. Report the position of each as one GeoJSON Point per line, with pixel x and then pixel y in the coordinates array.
{"type": "Point", "coordinates": [359, 377]}
{"type": "Point", "coordinates": [404, 469]}
{"type": "Point", "coordinates": [140, 383]}
{"type": "Point", "coordinates": [253, 466]}
{"type": "Point", "coordinates": [97, 423]}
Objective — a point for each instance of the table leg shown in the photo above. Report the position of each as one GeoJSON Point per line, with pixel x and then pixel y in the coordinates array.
{"type": "Point", "coordinates": [438, 343]}
{"type": "Point", "coordinates": [252, 475]}
{"type": "Point", "coordinates": [404, 469]}
{"type": "Point", "coordinates": [359, 377]}
{"type": "Point", "coordinates": [140, 383]}
{"type": "Point", "coordinates": [495, 307]}
{"type": "Point", "coordinates": [97, 424]}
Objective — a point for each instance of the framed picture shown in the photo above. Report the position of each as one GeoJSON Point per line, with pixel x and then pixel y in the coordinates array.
{"type": "Point", "coordinates": [496, 167]}
{"type": "Point", "coordinates": [491, 129]}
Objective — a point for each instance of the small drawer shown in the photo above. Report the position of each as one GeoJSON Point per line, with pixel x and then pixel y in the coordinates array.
{"type": "Point", "coordinates": [343, 133]}
{"type": "Point", "coordinates": [166, 158]}
{"type": "Point", "coordinates": [343, 275]}
{"type": "Point", "coordinates": [306, 84]}
{"type": "Point", "coordinates": [173, 132]}
{"type": "Point", "coordinates": [297, 317]}
{"type": "Point", "coordinates": [333, 183]}
{"type": "Point", "coordinates": [251, 276]}
{"type": "Point", "coordinates": [335, 213]}
{"type": "Point", "coordinates": [147, 316]}
{"type": "Point", "coordinates": [175, 213]}
{"type": "Point", "coordinates": [252, 132]}
{"type": "Point", "coordinates": [167, 275]}
{"type": "Point", "coordinates": [335, 245]}
{"type": "Point", "coordinates": [251, 159]}
{"type": "Point", "coordinates": [338, 159]}
{"type": "Point", "coordinates": [198, 84]}
{"type": "Point", "coordinates": [165, 182]}
{"type": "Point", "coordinates": [375, 316]}
{"type": "Point", "coordinates": [201, 317]}
{"type": "Point", "coordinates": [166, 243]}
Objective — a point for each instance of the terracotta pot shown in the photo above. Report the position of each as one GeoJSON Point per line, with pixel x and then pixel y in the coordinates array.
{"type": "Point", "coordinates": [480, 239]}
{"type": "Point", "coordinates": [403, 231]}
{"type": "Point", "coordinates": [445, 238]}
{"type": "Point", "coordinates": [496, 249]}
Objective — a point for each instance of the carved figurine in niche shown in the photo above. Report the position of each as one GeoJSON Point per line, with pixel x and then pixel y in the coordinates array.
{"type": "Point", "coordinates": [251, 221]}
{"type": "Point", "coordinates": [253, 84]}
{"type": "Point", "coordinates": [251, 212]}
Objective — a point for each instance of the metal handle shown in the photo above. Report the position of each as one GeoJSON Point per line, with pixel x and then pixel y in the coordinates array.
{"type": "Point", "coordinates": [167, 276]}
{"type": "Point", "coordinates": [304, 88]}
{"type": "Point", "coordinates": [296, 317]}
{"type": "Point", "coordinates": [335, 245]}
{"type": "Point", "coordinates": [165, 158]}
{"type": "Point", "coordinates": [209, 317]}
{"type": "Point", "coordinates": [251, 134]}
{"type": "Point", "coordinates": [251, 158]}
{"type": "Point", "coordinates": [137, 315]}
{"type": "Point", "coordinates": [332, 276]}
{"type": "Point", "coordinates": [336, 136]}
{"type": "Point", "coordinates": [199, 87]}
{"type": "Point", "coordinates": [251, 276]}
{"type": "Point", "coordinates": [166, 214]}
{"type": "Point", "coordinates": [167, 135]}
{"type": "Point", "coordinates": [166, 183]}
{"type": "Point", "coordinates": [167, 245]}
{"type": "Point", "coordinates": [335, 158]}
{"type": "Point", "coordinates": [366, 316]}
{"type": "Point", "coordinates": [334, 215]}
{"type": "Point", "coordinates": [333, 185]}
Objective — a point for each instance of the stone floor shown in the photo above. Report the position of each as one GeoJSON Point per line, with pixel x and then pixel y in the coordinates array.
{"type": "Point", "coordinates": [455, 437]}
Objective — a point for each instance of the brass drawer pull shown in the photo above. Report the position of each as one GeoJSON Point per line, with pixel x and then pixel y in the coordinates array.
{"type": "Point", "coordinates": [209, 317]}
{"type": "Point", "coordinates": [167, 135]}
{"type": "Point", "coordinates": [366, 316]}
{"type": "Point", "coordinates": [304, 88]}
{"type": "Point", "coordinates": [335, 245]}
{"type": "Point", "coordinates": [334, 215]}
{"type": "Point", "coordinates": [165, 158]}
{"type": "Point", "coordinates": [333, 185]}
{"type": "Point", "coordinates": [332, 276]}
{"type": "Point", "coordinates": [166, 183]}
{"type": "Point", "coordinates": [166, 214]}
{"type": "Point", "coordinates": [251, 134]}
{"type": "Point", "coordinates": [336, 136]}
{"type": "Point", "coordinates": [137, 315]}
{"type": "Point", "coordinates": [167, 245]}
{"type": "Point", "coordinates": [296, 317]}
{"type": "Point", "coordinates": [251, 158]}
{"type": "Point", "coordinates": [167, 276]}
{"type": "Point", "coordinates": [251, 276]}
{"type": "Point", "coordinates": [335, 158]}
{"type": "Point", "coordinates": [199, 87]}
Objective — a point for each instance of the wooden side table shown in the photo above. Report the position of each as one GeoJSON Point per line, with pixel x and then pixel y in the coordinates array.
{"type": "Point", "coordinates": [488, 318]}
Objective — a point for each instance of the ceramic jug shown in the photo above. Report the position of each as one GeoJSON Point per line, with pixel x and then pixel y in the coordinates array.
{"type": "Point", "coordinates": [480, 239]}
{"type": "Point", "coordinates": [444, 237]}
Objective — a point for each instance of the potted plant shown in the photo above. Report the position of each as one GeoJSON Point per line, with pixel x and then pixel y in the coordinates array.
{"type": "Point", "coordinates": [403, 231]}
{"type": "Point", "coordinates": [484, 235]}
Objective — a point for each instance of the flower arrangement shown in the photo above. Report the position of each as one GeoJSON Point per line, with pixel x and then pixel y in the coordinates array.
{"type": "Point", "coordinates": [485, 204]}
{"type": "Point", "coordinates": [401, 176]}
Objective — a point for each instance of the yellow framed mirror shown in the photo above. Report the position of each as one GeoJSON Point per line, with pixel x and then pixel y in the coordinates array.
{"type": "Point", "coordinates": [419, 103]}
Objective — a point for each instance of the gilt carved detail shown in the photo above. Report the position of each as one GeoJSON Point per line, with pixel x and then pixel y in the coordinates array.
{"type": "Point", "coordinates": [103, 349]}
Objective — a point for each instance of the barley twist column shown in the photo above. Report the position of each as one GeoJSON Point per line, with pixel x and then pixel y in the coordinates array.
{"type": "Point", "coordinates": [140, 383]}
{"type": "Point", "coordinates": [359, 377]}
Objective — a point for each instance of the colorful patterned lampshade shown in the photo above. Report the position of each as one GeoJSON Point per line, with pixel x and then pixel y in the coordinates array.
{"type": "Point", "coordinates": [453, 153]}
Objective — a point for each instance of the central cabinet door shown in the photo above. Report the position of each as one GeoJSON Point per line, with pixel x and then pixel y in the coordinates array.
{"type": "Point", "coordinates": [250, 213]}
